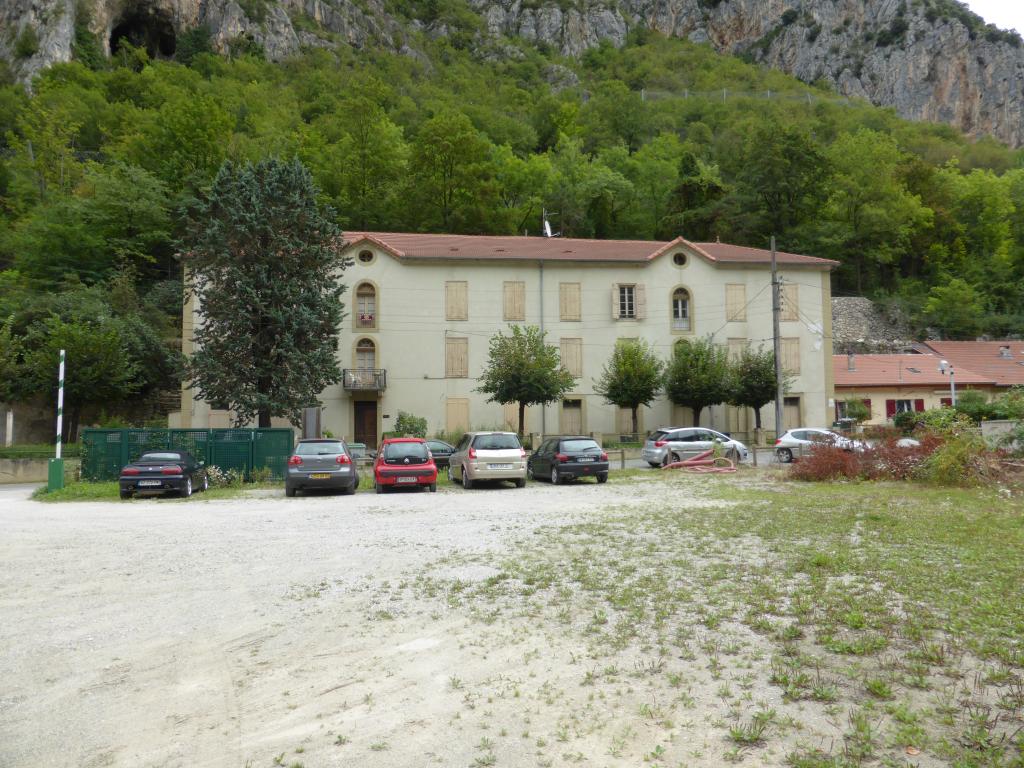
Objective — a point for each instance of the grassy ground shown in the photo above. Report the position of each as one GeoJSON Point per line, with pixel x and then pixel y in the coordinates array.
{"type": "Point", "coordinates": [835, 625]}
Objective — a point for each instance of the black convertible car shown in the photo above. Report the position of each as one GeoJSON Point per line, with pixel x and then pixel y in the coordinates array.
{"type": "Point", "coordinates": [163, 472]}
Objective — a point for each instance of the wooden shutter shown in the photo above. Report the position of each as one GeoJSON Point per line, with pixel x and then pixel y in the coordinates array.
{"type": "Point", "coordinates": [736, 347]}
{"type": "Point", "coordinates": [640, 299]}
{"type": "Point", "coordinates": [456, 300]}
{"type": "Point", "coordinates": [456, 358]}
{"type": "Point", "coordinates": [515, 301]}
{"type": "Point", "coordinates": [791, 355]}
{"type": "Point", "coordinates": [572, 356]}
{"type": "Point", "coordinates": [867, 404]}
{"type": "Point", "coordinates": [615, 301]}
{"type": "Point", "coordinates": [790, 302]}
{"type": "Point", "coordinates": [918, 405]}
{"type": "Point", "coordinates": [457, 414]}
{"type": "Point", "coordinates": [569, 301]}
{"type": "Point", "coordinates": [735, 302]}
{"type": "Point", "coordinates": [890, 408]}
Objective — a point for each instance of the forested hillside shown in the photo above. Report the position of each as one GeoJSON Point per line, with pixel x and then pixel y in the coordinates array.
{"type": "Point", "coordinates": [657, 139]}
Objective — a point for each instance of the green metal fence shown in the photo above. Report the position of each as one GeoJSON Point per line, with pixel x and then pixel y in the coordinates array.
{"type": "Point", "coordinates": [105, 451]}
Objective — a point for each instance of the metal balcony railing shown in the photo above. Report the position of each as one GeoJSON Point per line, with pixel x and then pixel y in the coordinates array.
{"type": "Point", "coordinates": [364, 379]}
{"type": "Point", "coordinates": [367, 321]}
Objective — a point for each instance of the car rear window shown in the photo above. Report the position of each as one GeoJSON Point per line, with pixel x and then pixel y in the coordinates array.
{"type": "Point", "coordinates": [402, 451]}
{"type": "Point", "coordinates": [319, 449]}
{"type": "Point", "coordinates": [495, 442]}
{"type": "Point", "coordinates": [658, 435]}
{"type": "Point", "coordinates": [160, 457]}
{"type": "Point", "coordinates": [580, 445]}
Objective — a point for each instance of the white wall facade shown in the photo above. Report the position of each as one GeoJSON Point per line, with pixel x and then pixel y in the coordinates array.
{"type": "Point", "coordinates": [411, 330]}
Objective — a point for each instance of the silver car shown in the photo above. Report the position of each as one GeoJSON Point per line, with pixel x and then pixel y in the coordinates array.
{"type": "Point", "coordinates": [321, 464]}
{"type": "Point", "coordinates": [669, 444]}
{"type": "Point", "coordinates": [796, 442]}
{"type": "Point", "coordinates": [488, 456]}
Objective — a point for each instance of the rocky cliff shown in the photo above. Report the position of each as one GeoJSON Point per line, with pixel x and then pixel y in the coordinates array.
{"type": "Point", "coordinates": [929, 59]}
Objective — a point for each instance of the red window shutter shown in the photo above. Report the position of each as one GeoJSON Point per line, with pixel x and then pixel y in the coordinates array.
{"type": "Point", "coordinates": [947, 402]}
{"type": "Point", "coordinates": [919, 405]}
{"type": "Point", "coordinates": [867, 404]}
{"type": "Point", "coordinates": [890, 408]}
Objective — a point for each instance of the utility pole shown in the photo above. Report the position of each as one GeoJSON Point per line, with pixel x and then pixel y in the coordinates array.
{"type": "Point", "coordinates": [777, 344]}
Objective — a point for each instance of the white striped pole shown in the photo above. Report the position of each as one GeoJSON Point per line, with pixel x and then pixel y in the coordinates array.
{"type": "Point", "coordinates": [60, 401]}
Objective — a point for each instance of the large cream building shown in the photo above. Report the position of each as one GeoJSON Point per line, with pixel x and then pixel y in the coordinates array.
{"type": "Point", "coordinates": [422, 308]}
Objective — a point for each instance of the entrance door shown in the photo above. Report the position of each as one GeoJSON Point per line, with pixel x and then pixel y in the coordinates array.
{"type": "Point", "coordinates": [364, 413]}
{"type": "Point", "coordinates": [572, 417]}
{"type": "Point", "coordinates": [791, 413]}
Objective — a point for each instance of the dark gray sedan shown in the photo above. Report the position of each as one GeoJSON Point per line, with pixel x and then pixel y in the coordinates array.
{"type": "Point", "coordinates": [566, 458]}
{"type": "Point", "coordinates": [160, 472]}
{"type": "Point", "coordinates": [324, 464]}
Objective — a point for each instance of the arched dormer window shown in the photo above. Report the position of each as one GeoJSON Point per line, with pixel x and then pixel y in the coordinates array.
{"type": "Point", "coordinates": [681, 310]}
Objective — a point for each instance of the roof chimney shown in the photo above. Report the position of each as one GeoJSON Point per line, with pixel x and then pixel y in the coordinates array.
{"type": "Point", "coordinates": [850, 362]}
{"type": "Point", "coordinates": [1004, 352]}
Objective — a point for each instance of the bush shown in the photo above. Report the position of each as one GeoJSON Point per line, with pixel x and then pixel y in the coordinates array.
{"type": "Point", "coordinates": [905, 421]}
{"type": "Point", "coordinates": [27, 44]}
{"type": "Point", "coordinates": [407, 425]}
{"type": "Point", "coordinates": [220, 478]}
{"type": "Point", "coordinates": [944, 421]}
{"type": "Point", "coordinates": [960, 460]}
{"type": "Point", "coordinates": [826, 463]}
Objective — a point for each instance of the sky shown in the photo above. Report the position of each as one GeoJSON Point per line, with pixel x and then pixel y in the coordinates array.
{"type": "Point", "coordinates": [1005, 14]}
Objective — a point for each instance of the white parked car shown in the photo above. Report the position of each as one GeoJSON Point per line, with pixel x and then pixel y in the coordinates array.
{"type": "Point", "coordinates": [669, 444]}
{"type": "Point", "coordinates": [793, 442]}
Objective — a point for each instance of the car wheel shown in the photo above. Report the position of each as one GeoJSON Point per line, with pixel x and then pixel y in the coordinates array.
{"type": "Point", "coordinates": [654, 463]}
{"type": "Point", "coordinates": [554, 476]}
{"type": "Point", "coordinates": [433, 487]}
{"type": "Point", "coordinates": [206, 483]}
{"type": "Point", "coordinates": [126, 494]}
{"type": "Point", "coordinates": [467, 481]}
{"type": "Point", "coordinates": [785, 455]}
{"type": "Point", "coordinates": [521, 483]}
{"type": "Point", "coordinates": [187, 490]}
{"type": "Point", "coordinates": [676, 458]}
{"type": "Point", "coordinates": [733, 455]}
{"type": "Point", "coordinates": [665, 459]}
{"type": "Point", "coordinates": [603, 477]}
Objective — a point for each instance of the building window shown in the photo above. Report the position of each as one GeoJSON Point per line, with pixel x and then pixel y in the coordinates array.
{"type": "Point", "coordinates": [569, 302]}
{"type": "Point", "coordinates": [735, 302]}
{"type": "Point", "coordinates": [514, 301]}
{"type": "Point", "coordinates": [456, 358]}
{"type": "Point", "coordinates": [790, 301]}
{"type": "Point", "coordinates": [680, 310]}
{"type": "Point", "coordinates": [366, 306]}
{"type": "Point", "coordinates": [679, 259]}
{"type": "Point", "coordinates": [791, 355]}
{"type": "Point", "coordinates": [572, 356]}
{"type": "Point", "coordinates": [456, 300]}
{"type": "Point", "coordinates": [892, 407]}
{"type": "Point", "coordinates": [736, 347]}
{"type": "Point", "coordinates": [841, 408]}
{"type": "Point", "coordinates": [365, 257]}
{"type": "Point", "coordinates": [628, 301]}
{"type": "Point", "coordinates": [366, 355]}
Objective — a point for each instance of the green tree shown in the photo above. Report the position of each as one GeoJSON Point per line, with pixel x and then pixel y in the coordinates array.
{"type": "Point", "coordinates": [955, 309]}
{"type": "Point", "coordinates": [10, 354]}
{"type": "Point", "coordinates": [857, 410]}
{"type": "Point", "coordinates": [98, 368]}
{"type": "Point", "coordinates": [753, 380]}
{"type": "Point", "coordinates": [631, 377]}
{"type": "Point", "coordinates": [697, 375]}
{"type": "Point", "coordinates": [262, 260]}
{"type": "Point", "coordinates": [523, 369]}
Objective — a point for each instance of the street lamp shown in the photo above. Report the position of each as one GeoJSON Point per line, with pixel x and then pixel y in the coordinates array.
{"type": "Point", "coordinates": [945, 365]}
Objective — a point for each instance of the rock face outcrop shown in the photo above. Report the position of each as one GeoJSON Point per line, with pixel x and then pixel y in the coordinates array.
{"type": "Point", "coordinates": [859, 325]}
{"type": "Point", "coordinates": [924, 58]}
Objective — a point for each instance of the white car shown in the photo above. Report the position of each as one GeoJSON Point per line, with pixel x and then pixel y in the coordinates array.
{"type": "Point", "coordinates": [669, 444]}
{"type": "Point", "coordinates": [798, 441]}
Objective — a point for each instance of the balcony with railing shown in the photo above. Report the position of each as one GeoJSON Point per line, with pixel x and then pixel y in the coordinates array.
{"type": "Point", "coordinates": [364, 379]}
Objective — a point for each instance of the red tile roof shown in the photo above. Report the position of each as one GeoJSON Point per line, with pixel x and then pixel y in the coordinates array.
{"type": "Point", "coordinates": [898, 371]}
{"type": "Point", "coordinates": [429, 246]}
{"type": "Point", "coordinates": [983, 357]}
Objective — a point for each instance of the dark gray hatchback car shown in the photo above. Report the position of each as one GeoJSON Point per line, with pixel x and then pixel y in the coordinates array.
{"type": "Point", "coordinates": [322, 464]}
{"type": "Point", "coordinates": [566, 458]}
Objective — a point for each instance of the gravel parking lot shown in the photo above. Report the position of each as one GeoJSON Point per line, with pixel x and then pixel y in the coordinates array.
{"type": "Point", "coordinates": [262, 631]}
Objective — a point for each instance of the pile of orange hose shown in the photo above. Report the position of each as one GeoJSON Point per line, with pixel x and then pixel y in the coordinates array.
{"type": "Point", "coordinates": [704, 463]}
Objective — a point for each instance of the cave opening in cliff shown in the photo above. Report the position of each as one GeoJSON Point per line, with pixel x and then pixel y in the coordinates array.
{"type": "Point", "coordinates": [144, 27]}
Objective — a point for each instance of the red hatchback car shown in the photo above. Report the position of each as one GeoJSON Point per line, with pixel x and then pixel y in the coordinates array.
{"type": "Point", "coordinates": [404, 462]}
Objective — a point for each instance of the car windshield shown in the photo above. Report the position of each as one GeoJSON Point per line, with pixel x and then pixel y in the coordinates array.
{"type": "Point", "coordinates": [401, 451]}
{"type": "Point", "coordinates": [495, 442]}
{"type": "Point", "coordinates": [319, 449]}
{"type": "Point", "coordinates": [577, 446]}
{"type": "Point", "coordinates": [160, 457]}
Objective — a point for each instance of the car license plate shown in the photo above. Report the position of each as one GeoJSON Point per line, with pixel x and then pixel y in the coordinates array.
{"type": "Point", "coordinates": [407, 479]}
{"type": "Point", "coordinates": [149, 483]}
{"type": "Point", "coordinates": [499, 466]}
{"type": "Point", "coordinates": [320, 476]}
{"type": "Point", "coordinates": [586, 458]}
